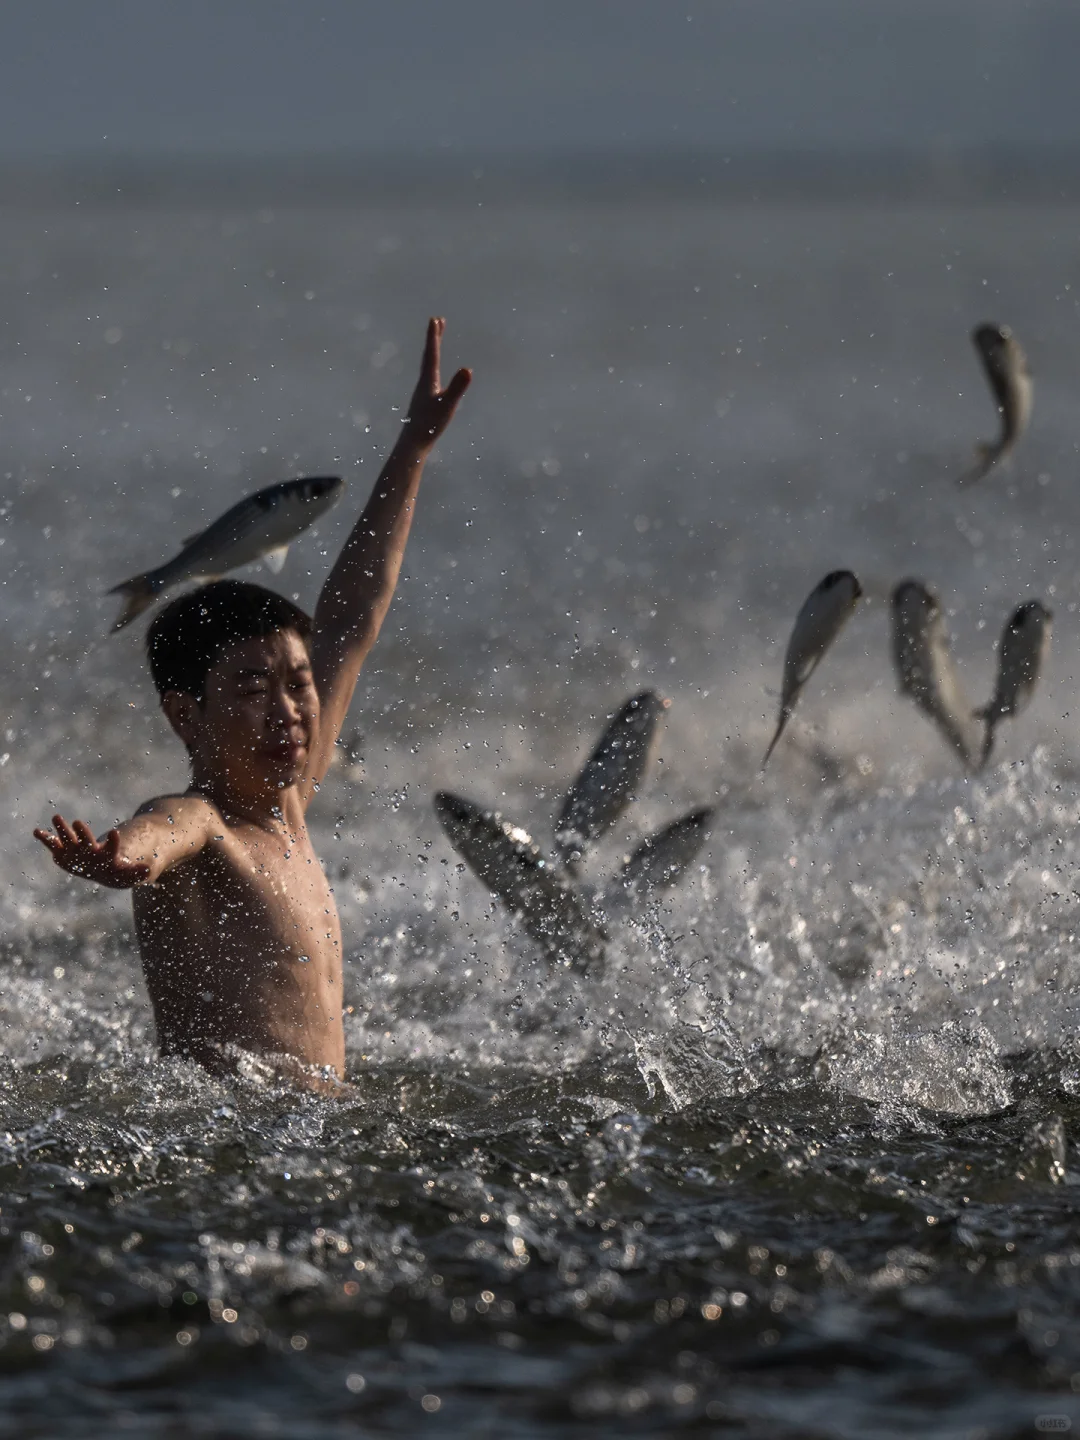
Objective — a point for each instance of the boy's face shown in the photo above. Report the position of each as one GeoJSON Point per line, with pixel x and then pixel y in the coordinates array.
{"type": "Point", "coordinates": [259, 713]}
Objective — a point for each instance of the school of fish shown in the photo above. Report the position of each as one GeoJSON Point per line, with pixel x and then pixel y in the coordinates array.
{"type": "Point", "coordinates": [566, 917]}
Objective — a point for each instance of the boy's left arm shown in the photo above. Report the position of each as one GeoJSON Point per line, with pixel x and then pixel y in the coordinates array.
{"type": "Point", "coordinates": [357, 594]}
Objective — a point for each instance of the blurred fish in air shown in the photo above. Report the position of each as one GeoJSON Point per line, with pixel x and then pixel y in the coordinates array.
{"type": "Point", "coordinates": [1010, 382]}
{"type": "Point", "coordinates": [661, 858]}
{"type": "Point", "coordinates": [1025, 644]}
{"type": "Point", "coordinates": [926, 671]}
{"type": "Point", "coordinates": [554, 909]}
{"type": "Point", "coordinates": [609, 778]}
{"type": "Point", "coordinates": [509, 863]}
{"type": "Point", "coordinates": [260, 527]}
{"type": "Point", "coordinates": [823, 615]}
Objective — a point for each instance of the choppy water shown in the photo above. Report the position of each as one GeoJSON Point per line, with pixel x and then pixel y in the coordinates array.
{"type": "Point", "coordinates": [802, 1161]}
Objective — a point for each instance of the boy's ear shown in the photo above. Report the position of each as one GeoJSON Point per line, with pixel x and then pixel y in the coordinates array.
{"type": "Point", "coordinates": [183, 713]}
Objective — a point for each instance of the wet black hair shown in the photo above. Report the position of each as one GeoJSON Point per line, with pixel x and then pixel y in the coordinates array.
{"type": "Point", "coordinates": [188, 637]}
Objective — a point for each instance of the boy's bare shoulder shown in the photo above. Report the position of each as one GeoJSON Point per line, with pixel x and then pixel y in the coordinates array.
{"type": "Point", "coordinates": [181, 807]}
{"type": "Point", "coordinates": [169, 830]}
{"type": "Point", "coordinates": [191, 820]}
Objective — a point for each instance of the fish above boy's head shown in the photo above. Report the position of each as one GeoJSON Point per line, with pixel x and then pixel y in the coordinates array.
{"type": "Point", "coordinates": [301, 493]}
{"type": "Point", "coordinates": [260, 527]}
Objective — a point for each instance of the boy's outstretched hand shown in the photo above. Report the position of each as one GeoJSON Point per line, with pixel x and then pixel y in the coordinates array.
{"type": "Point", "coordinates": [431, 409]}
{"type": "Point", "coordinates": [74, 849]}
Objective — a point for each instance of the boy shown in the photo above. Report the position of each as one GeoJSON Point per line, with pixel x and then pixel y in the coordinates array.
{"type": "Point", "coordinates": [237, 927]}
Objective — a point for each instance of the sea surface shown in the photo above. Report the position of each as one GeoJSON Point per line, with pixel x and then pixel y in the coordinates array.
{"type": "Point", "coordinates": [801, 1160]}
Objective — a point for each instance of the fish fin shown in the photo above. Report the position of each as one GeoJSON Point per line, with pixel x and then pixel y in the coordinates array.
{"type": "Point", "coordinates": [275, 559]}
{"type": "Point", "coordinates": [988, 738]}
{"type": "Point", "coordinates": [785, 716]}
{"type": "Point", "coordinates": [987, 455]}
{"type": "Point", "coordinates": [139, 594]}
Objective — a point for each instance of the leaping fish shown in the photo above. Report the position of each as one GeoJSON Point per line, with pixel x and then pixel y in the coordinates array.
{"type": "Point", "coordinates": [609, 778]}
{"type": "Point", "coordinates": [926, 671]}
{"type": "Point", "coordinates": [260, 527]}
{"type": "Point", "coordinates": [664, 856]}
{"type": "Point", "coordinates": [509, 863]}
{"type": "Point", "coordinates": [1025, 644]}
{"type": "Point", "coordinates": [545, 894]}
{"type": "Point", "coordinates": [823, 615]}
{"type": "Point", "coordinates": [1010, 381]}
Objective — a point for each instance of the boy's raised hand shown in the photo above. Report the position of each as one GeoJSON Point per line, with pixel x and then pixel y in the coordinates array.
{"type": "Point", "coordinates": [431, 409]}
{"type": "Point", "coordinates": [75, 850]}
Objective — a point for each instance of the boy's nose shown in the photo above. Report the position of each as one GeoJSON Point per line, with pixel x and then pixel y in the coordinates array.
{"type": "Point", "coordinates": [284, 706]}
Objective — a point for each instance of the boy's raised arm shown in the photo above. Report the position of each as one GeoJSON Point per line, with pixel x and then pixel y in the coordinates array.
{"type": "Point", "coordinates": [358, 590]}
{"type": "Point", "coordinates": [161, 834]}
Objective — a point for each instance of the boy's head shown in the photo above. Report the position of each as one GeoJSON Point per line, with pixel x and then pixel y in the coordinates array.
{"type": "Point", "coordinates": [190, 635]}
{"type": "Point", "coordinates": [230, 662]}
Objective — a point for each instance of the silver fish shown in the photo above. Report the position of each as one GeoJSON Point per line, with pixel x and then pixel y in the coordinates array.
{"type": "Point", "coordinates": [609, 777]}
{"type": "Point", "coordinates": [823, 615]}
{"type": "Point", "coordinates": [261, 527]}
{"type": "Point", "coordinates": [505, 859]}
{"type": "Point", "coordinates": [926, 672]}
{"type": "Point", "coordinates": [664, 856]}
{"type": "Point", "coordinates": [1025, 644]}
{"type": "Point", "coordinates": [1010, 381]}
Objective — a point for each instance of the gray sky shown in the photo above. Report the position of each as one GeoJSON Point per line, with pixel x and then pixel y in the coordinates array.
{"type": "Point", "coordinates": [281, 77]}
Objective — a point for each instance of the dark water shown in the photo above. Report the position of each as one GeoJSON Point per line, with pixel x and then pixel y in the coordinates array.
{"type": "Point", "coordinates": [802, 1160]}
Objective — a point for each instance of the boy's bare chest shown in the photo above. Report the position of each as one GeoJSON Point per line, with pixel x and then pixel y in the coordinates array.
{"type": "Point", "coordinates": [243, 944]}
{"type": "Point", "coordinates": [281, 871]}
{"type": "Point", "coordinates": [250, 882]}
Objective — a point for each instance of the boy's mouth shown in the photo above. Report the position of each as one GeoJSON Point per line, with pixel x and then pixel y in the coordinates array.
{"type": "Point", "coordinates": [288, 750]}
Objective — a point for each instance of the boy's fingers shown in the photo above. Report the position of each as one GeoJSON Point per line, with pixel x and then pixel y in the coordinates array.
{"type": "Point", "coordinates": [85, 834]}
{"type": "Point", "coordinates": [431, 347]}
{"type": "Point", "coordinates": [457, 387]}
{"type": "Point", "coordinates": [49, 840]}
{"type": "Point", "coordinates": [64, 830]}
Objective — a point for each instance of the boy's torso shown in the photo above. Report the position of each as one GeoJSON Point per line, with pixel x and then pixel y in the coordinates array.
{"type": "Point", "coordinates": [241, 947]}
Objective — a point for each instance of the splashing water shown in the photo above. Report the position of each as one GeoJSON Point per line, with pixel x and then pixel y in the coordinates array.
{"type": "Point", "coordinates": [801, 1160]}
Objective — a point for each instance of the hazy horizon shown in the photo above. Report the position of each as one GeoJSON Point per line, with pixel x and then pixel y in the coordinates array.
{"type": "Point", "coordinates": [260, 79]}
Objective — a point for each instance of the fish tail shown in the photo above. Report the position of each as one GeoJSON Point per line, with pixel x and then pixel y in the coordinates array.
{"type": "Point", "coordinates": [772, 743]}
{"type": "Point", "coordinates": [987, 454]}
{"type": "Point", "coordinates": [987, 715]}
{"type": "Point", "coordinates": [139, 594]}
